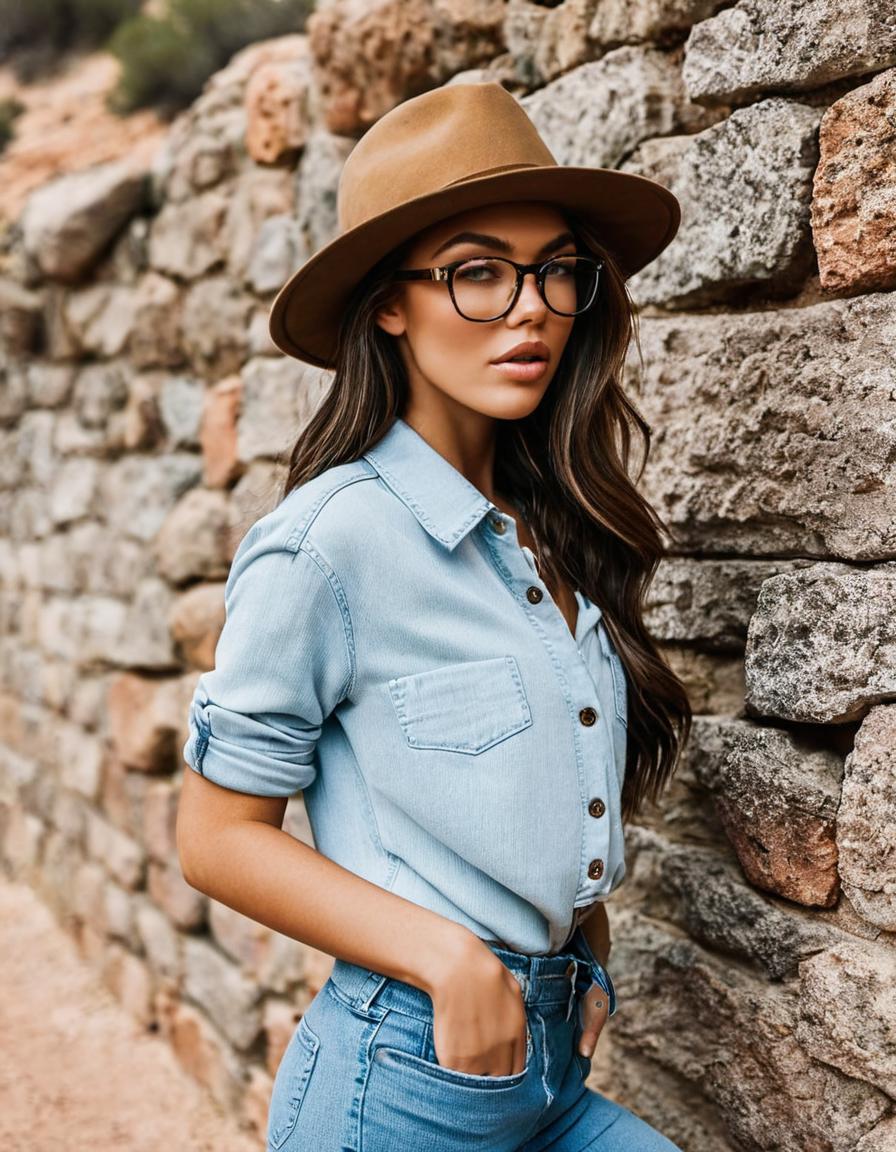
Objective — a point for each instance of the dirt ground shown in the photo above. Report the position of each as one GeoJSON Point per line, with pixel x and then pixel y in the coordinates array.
{"type": "Point", "coordinates": [75, 1068]}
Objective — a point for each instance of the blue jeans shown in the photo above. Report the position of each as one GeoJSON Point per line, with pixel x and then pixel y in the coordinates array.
{"type": "Point", "coordinates": [360, 1074]}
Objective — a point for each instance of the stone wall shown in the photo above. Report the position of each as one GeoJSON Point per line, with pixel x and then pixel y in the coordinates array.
{"type": "Point", "coordinates": [143, 419]}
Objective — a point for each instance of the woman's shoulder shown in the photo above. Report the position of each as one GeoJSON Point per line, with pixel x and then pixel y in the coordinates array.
{"type": "Point", "coordinates": [340, 512]}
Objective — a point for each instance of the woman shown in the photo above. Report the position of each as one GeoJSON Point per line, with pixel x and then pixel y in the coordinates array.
{"type": "Point", "coordinates": [436, 636]}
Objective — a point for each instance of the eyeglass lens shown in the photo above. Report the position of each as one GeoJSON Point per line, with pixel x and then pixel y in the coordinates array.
{"type": "Point", "coordinates": [484, 286]}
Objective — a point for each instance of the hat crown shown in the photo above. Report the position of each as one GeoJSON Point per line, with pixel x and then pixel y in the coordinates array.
{"type": "Point", "coordinates": [449, 135]}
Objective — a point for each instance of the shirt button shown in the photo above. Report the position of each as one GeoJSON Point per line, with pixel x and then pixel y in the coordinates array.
{"type": "Point", "coordinates": [588, 716]}
{"type": "Point", "coordinates": [499, 526]}
{"type": "Point", "coordinates": [596, 869]}
{"type": "Point", "coordinates": [597, 807]}
{"type": "Point", "coordinates": [534, 595]}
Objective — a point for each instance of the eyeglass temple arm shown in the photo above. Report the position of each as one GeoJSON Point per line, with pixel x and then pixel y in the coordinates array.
{"type": "Point", "coordinates": [422, 274]}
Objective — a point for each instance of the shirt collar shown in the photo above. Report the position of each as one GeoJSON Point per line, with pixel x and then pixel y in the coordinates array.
{"type": "Point", "coordinates": [447, 505]}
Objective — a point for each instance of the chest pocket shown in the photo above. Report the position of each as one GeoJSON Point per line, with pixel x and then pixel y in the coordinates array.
{"type": "Point", "coordinates": [466, 707]}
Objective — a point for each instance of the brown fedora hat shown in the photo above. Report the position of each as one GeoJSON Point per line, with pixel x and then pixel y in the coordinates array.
{"type": "Point", "coordinates": [457, 147]}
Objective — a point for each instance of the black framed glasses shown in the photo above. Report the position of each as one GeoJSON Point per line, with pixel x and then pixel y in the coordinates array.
{"type": "Point", "coordinates": [486, 288]}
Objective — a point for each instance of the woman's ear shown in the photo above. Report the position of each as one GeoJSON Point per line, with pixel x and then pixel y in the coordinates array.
{"type": "Point", "coordinates": [390, 317]}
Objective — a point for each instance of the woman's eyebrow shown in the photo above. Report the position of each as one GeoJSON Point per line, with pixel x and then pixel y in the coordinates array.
{"type": "Point", "coordinates": [501, 245]}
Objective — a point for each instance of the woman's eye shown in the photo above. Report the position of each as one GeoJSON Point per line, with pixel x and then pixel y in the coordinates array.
{"type": "Point", "coordinates": [475, 272]}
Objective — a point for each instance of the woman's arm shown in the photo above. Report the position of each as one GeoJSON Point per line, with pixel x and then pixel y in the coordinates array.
{"type": "Point", "coordinates": [231, 846]}
{"type": "Point", "coordinates": [596, 930]}
{"type": "Point", "coordinates": [284, 662]}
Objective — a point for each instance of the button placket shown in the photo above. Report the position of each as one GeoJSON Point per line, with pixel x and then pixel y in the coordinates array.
{"type": "Point", "coordinates": [589, 716]}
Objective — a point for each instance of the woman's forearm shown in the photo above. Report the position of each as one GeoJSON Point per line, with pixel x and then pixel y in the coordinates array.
{"type": "Point", "coordinates": [596, 930]}
{"type": "Point", "coordinates": [283, 883]}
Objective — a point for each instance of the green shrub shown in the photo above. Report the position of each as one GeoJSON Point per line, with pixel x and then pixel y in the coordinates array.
{"type": "Point", "coordinates": [161, 66]}
{"type": "Point", "coordinates": [9, 109]}
{"type": "Point", "coordinates": [94, 20]}
{"type": "Point", "coordinates": [165, 60]}
{"type": "Point", "coordinates": [33, 30]}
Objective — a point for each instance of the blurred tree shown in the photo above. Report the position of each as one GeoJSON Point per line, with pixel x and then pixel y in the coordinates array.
{"type": "Point", "coordinates": [167, 58]}
{"type": "Point", "coordinates": [167, 50]}
{"type": "Point", "coordinates": [35, 34]}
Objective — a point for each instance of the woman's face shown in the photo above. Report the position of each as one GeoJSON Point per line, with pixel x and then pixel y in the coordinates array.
{"type": "Point", "coordinates": [450, 361]}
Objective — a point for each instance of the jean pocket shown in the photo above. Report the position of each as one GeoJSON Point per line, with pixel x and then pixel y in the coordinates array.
{"type": "Point", "coordinates": [412, 1101]}
{"type": "Point", "coordinates": [428, 1064]}
{"type": "Point", "coordinates": [291, 1084]}
{"type": "Point", "coordinates": [466, 707]}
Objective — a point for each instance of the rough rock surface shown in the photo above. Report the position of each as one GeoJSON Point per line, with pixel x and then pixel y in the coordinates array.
{"type": "Point", "coordinates": [717, 1025]}
{"type": "Point", "coordinates": [277, 112]}
{"type": "Point", "coordinates": [846, 1011]}
{"type": "Point", "coordinates": [66, 126]}
{"type": "Point", "coordinates": [782, 825]}
{"type": "Point", "coordinates": [68, 223]}
{"type": "Point", "coordinates": [544, 41]}
{"type": "Point", "coordinates": [708, 602]}
{"type": "Point", "coordinates": [759, 46]}
{"type": "Point", "coordinates": [866, 820]}
{"type": "Point", "coordinates": [774, 430]}
{"type": "Point", "coordinates": [821, 645]}
{"type": "Point", "coordinates": [854, 199]}
{"type": "Point", "coordinates": [368, 57]}
{"type": "Point", "coordinates": [597, 114]}
{"type": "Point", "coordinates": [745, 187]}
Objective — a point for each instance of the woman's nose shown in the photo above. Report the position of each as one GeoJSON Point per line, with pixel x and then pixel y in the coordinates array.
{"type": "Point", "coordinates": [530, 300]}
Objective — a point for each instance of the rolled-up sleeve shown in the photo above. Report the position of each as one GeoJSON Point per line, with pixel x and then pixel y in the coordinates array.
{"type": "Point", "coordinates": [283, 663]}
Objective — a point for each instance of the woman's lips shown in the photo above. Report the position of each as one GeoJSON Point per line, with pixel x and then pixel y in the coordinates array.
{"type": "Point", "coordinates": [518, 370]}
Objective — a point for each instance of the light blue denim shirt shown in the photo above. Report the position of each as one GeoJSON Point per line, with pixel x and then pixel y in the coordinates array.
{"type": "Point", "coordinates": [390, 650]}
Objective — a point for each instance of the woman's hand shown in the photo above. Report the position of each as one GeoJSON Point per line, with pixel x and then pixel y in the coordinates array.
{"type": "Point", "coordinates": [479, 1017]}
{"type": "Point", "coordinates": [594, 1008]}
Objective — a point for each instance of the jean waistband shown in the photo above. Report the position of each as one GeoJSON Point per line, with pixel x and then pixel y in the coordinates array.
{"type": "Point", "coordinates": [544, 981]}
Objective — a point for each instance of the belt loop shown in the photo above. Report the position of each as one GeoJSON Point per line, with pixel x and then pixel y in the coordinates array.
{"type": "Point", "coordinates": [379, 982]}
{"type": "Point", "coordinates": [572, 990]}
{"type": "Point", "coordinates": [523, 980]}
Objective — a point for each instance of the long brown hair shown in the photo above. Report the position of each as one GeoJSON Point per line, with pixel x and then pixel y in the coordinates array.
{"type": "Point", "coordinates": [566, 466]}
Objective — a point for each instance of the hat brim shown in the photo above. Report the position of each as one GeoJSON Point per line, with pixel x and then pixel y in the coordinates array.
{"type": "Point", "coordinates": [635, 216]}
